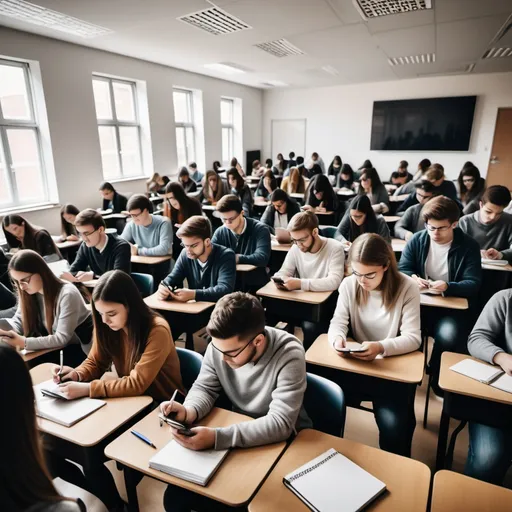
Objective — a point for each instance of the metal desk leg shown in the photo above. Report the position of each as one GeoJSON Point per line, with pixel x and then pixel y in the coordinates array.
{"type": "Point", "coordinates": [131, 480]}
{"type": "Point", "coordinates": [442, 440]}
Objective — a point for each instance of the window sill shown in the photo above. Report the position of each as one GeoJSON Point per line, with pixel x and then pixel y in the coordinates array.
{"type": "Point", "coordinates": [26, 209]}
{"type": "Point", "coordinates": [131, 178]}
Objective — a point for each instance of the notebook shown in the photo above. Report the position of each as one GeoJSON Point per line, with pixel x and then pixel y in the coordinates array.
{"type": "Point", "coordinates": [58, 267]}
{"type": "Point", "coordinates": [491, 375]}
{"type": "Point", "coordinates": [430, 291]}
{"type": "Point", "coordinates": [196, 467]}
{"type": "Point", "coordinates": [332, 482]}
{"type": "Point", "coordinates": [499, 263]}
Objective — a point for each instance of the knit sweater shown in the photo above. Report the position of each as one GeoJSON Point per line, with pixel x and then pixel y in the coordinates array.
{"type": "Point", "coordinates": [269, 215]}
{"type": "Point", "coordinates": [379, 198]}
{"type": "Point", "coordinates": [411, 221]}
{"type": "Point", "coordinates": [343, 230]}
{"type": "Point", "coordinates": [152, 240]}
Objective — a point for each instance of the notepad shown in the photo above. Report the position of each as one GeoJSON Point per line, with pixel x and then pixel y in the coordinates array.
{"type": "Point", "coordinates": [498, 263]}
{"type": "Point", "coordinates": [491, 375]}
{"type": "Point", "coordinates": [332, 482]}
{"type": "Point", "coordinates": [58, 267]}
{"type": "Point", "coordinates": [194, 466]}
{"type": "Point", "coordinates": [430, 291]}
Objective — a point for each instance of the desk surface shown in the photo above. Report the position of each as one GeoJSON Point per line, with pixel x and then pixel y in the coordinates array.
{"type": "Point", "coordinates": [259, 201]}
{"type": "Point", "coordinates": [236, 480]}
{"type": "Point", "coordinates": [67, 244]}
{"type": "Point", "coordinates": [208, 207]}
{"type": "Point", "coordinates": [270, 290]}
{"type": "Point", "coordinates": [502, 268]}
{"type": "Point", "coordinates": [391, 218]}
{"type": "Point", "coordinates": [244, 267]}
{"type": "Point", "coordinates": [452, 492]}
{"type": "Point", "coordinates": [192, 307]}
{"type": "Point", "coordinates": [407, 480]}
{"type": "Point", "coordinates": [30, 356]}
{"type": "Point", "coordinates": [345, 192]}
{"type": "Point", "coordinates": [297, 195]}
{"type": "Point", "coordinates": [115, 216]}
{"type": "Point", "coordinates": [407, 368]}
{"type": "Point", "coordinates": [438, 301]}
{"type": "Point", "coordinates": [150, 260]}
{"type": "Point", "coordinates": [276, 246]}
{"type": "Point", "coordinates": [250, 177]}
{"type": "Point", "coordinates": [323, 213]}
{"type": "Point", "coordinates": [96, 427]}
{"type": "Point", "coordinates": [457, 383]}
{"type": "Point", "coordinates": [398, 199]}
{"type": "Point", "coordinates": [398, 245]}
{"type": "Point", "coordinates": [89, 284]}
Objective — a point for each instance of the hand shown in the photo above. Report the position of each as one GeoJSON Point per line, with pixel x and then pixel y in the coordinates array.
{"type": "Point", "coordinates": [82, 277]}
{"type": "Point", "coordinates": [204, 438]}
{"type": "Point", "coordinates": [340, 343]}
{"type": "Point", "coordinates": [292, 283]}
{"type": "Point", "coordinates": [183, 294]}
{"type": "Point", "coordinates": [12, 338]}
{"type": "Point", "coordinates": [372, 350]}
{"type": "Point", "coordinates": [134, 249]}
{"type": "Point", "coordinates": [408, 235]}
{"type": "Point", "coordinates": [68, 276]}
{"type": "Point", "coordinates": [505, 361]}
{"type": "Point", "coordinates": [422, 283]}
{"type": "Point", "coordinates": [493, 254]}
{"type": "Point", "coordinates": [72, 390]}
{"type": "Point", "coordinates": [439, 286]}
{"type": "Point", "coordinates": [180, 413]}
{"type": "Point", "coordinates": [307, 208]}
{"type": "Point", "coordinates": [68, 374]}
{"type": "Point", "coordinates": [163, 293]}
{"type": "Point", "coordinates": [72, 238]}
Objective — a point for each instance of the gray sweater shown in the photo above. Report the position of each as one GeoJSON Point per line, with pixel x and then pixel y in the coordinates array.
{"type": "Point", "coordinates": [152, 240]}
{"type": "Point", "coordinates": [270, 390]}
{"type": "Point", "coordinates": [493, 329]}
{"type": "Point", "coordinates": [411, 220]}
{"type": "Point", "coordinates": [490, 236]}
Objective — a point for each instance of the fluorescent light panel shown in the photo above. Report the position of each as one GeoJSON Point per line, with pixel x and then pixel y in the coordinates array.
{"type": "Point", "coordinates": [496, 53]}
{"type": "Point", "coordinates": [224, 68]}
{"type": "Point", "coordinates": [424, 58]}
{"type": "Point", "coordinates": [376, 8]}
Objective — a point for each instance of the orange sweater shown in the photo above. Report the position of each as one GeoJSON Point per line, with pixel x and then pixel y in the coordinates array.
{"type": "Point", "coordinates": [156, 373]}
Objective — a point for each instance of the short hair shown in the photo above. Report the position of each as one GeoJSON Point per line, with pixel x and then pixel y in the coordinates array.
{"type": "Point", "coordinates": [197, 225]}
{"type": "Point", "coordinates": [426, 186]}
{"type": "Point", "coordinates": [435, 172]}
{"type": "Point", "coordinates": [424, 164]}
{"type": "Point", "coordinates": [279, 195]}
{"type": "Point", "coordinates": [256, 164]}
{"type": "Point", "coordinates": [107, 186]}
{"type": "Point", "coordinates": [498, 195]}
{"type": "Point", "coordinates": [229, 203]}
{"type": "Point", "coordinates": [441, 208]}
{"type": "Point", "coordinates": [291, 155]}
{"type": "Point", "coordinates": [404, 164]}
{"type": "Point", "coordinates": [193, 165]}
{"type": "Point", "coordinates": [237, 314]}
{"type": "Point", "coordinates": [90, 217]}
{"type": "Point", "coordinates": [300, 160]}
{"type": "Point", "coordinates": [139, 202]}
{"type": "Point", "coordinates": [315, 155]}
{"type": "Point", "coordinates": [303, 220]}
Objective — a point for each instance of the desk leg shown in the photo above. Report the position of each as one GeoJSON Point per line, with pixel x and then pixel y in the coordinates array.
{"type": "Point", "coordinates": [131, 480]}
{"type": "Point", "coordinates": [189, 340]}
{"type": "Point", "coordinates": [442, 440]}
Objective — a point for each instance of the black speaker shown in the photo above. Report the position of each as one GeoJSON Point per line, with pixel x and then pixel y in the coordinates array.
{"type": "Point", "coordinates": [250, 156]}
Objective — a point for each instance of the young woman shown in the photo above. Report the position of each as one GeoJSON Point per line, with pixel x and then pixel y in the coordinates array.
{"type": "Point", "coordinates": [257, 169]}
{"type": "Point", "coordinates": [360, 218]}
{"type": "Point", "coordinates": [294, 183]}
{"type": "Point", "coordinates": [422, 169]}
{"type": "Point", "coordinates": [20, 234]}
{"type": "Point", "coordinates": [50, 314]}
{"type": "Point", "coordinates": [320, 195]}
{"type": "Point", "coordinates": [68, 214]}
{"type": "Point", "coordinates": [214, 188]}
{"type": "Point", "coordinates": [267, 185]}
{"type": "Point", "coordinates": [112, 200]}
{"type": "Point", "coordinates": [156, 184]}
{"type": "Point", "coordinates": [346, 178]}
{"type": "Point", "coordinates": [372, 186]}
{"type": "Point", "coordinates": [381, 307]}
{"type": "Point", "coordinates": [335, 168]}
{"type": "Point", "coordinates": [280, 210]}
{"type": "Point", "coordinates": [234, 164]}
{"type": "Point", "coordinates": [471, 187]}
{"type": "Point", "coordinates": [26, 482]}
{"type": "Point", "coordinates": [271, 167]}
{"type": "Point", "coordinates": [241, 190]}
{"type": "Point", "coordinates": [188, 184]}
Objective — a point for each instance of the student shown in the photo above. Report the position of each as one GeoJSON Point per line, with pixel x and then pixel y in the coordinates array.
{"type": "Point", "coordinates": [282, 168]}
{"type": "Point", "coordinates": [266, 186]}
{"type": "Point", "coordinates": [195, 175]}
{"type": "Point", "coordinates": [112, 200]}
{"type": "Point", "coordinates": [280, 211]}
{"type": "Point", "coordinates": [280, 158]}
{"type": "Point", "coordinates": [335, 168]}
{"type": "Point", "coordinates": [269, 165]}
{"type": "Point", "coordinates": [184, 179]}
{"type": "Point", "coordinates": [302, 167]}
{"type": "Point", "coordinates": [68, 215]}
{"type": "Point", "coordinates": [423, 166]}
{"type": "Point", "coordinates": [412, 220]}
{"type": "Point", "coordinates": [20, 234]}
{"type": "Point", "coordinates": [156, 184]}
{"type": "Point", "coordinates": [147, 234]}
{"type": "Point", "coordinates": [436, 176]}
{"type": "Point", "coordinates": [317, 160]}
{"type": "Point", "coordinates": [471, 187]}
{"type": "Point", "coordinates": [346, 178]}
{"type": "Point", "coordinates": [257, 169]}
{"type": "Point", "coordinates": [360, 218]}
{"type": "Point", "coordinates": [315, 264]}
{"type": "Point", "coordinates": [367, 164]}
{"type": "Point", "coordinates": [445, 260]}
{"type": "Point", "coordinates": [7, 301]}
{"type": "Point", "coordinates": [381, 308]}
{"type": "Point", "coordinates": [50, 313]}
{"type": "Point", "coordinates": [214, 188]}
{"type": "Point", "coordinates": [246, 237]}
{"type": "Point", "coordinates": [26, 482]}
{"type": "Point", "coordinates": [234, 164]}
{"type": "Point", "coordinates": [490, 447]}
{"type": "Point", "coordinates": [404, 181]}
{"type": "Point", "coordinates": [313, 171]}
{"type": "Point", "coordinates": [291, 159]}
{"type": "Point", "coordinates": [217, 167]}
{"type": "Point", "coordinates": [294, 183]}
{"type": "Point", "coordinates": [240, 189]}
{"type": "Point", "coordinates": [99, 252]}
{"type": "Point", "coordinates": [262, 371]}
{"type": "Point", "coordinates": [423, 187]}
{"type": "Point", "coordinates": [320, 196]}
{"type": "Point", "coordinates": [375, 190]}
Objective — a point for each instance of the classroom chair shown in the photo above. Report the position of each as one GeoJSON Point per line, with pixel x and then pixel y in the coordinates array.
{"type": "Point", "coordinates": [328, 231]}
{"type": "Point", "coordinates": [190, 365]}
{"type": "Point", "coordinates": [144, 282]}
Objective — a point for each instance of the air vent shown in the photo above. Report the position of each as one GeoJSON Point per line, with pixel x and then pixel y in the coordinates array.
{"type": "Point", "coordinates": [331, 70]}
{"type": "Point", "coordinates": [280, 48]}
{"type": "Point", "coordinates": [215, 21]}
{"type": "Point", "coordinates": [424, 58]}
{"type": "Point", "coordinates": [497, 53]}
{"type": "Point", "coordinates": [37, 15]}
{"type": "Point", "coordinates": [376, 8]}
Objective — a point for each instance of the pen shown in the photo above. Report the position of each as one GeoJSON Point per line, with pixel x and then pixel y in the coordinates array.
{"type": "Point", "coordinates": [142, 438]}
{"type": "Point", "coordinates": [61, 363]}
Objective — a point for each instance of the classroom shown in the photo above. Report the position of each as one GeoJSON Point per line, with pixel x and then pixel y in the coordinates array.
{"type": "Point", "coordinates": [256, 255]}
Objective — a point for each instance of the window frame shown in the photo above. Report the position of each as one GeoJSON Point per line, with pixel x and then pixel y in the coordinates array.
{"type": "Point", "coordinates": [231, 131]}
{"type": "Point", "coordinates": [184, 125]}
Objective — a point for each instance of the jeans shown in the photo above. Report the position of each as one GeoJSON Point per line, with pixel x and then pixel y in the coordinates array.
{"type": "Point", "coordinates": [489, 454]}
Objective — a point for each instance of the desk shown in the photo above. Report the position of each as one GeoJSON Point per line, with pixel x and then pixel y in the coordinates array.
{"type": "Point", "coordinates": [499, 268]}
{"type": "Point", "coordinates": [233, 484]}
{"type": "Point", "coordinates": [150, 260]}
{"type": "Point", "coordinates": [452, 492]}
{"type": "Point", "coordinates": [398, 199]}
{"type": "Point", "coordinates": [31, 358]}
{"type": "Point", "coordinates": [69, 249]}
{"type": "Point", "coordinates": [253, 178]}
{"type": "Point", "coordinates": [297, 195]}
{"type": "Point", "coordinates": [158, 266]}
{"type": "Point", "coordinates": [390, 219]}
{"type": "Point", "coordinates": [115, 220]}
{"type": "Point", "coordinates": [277, 247]}
{"type": "Point", "coordinates": [345, 194]}
{"type": "Point", "coordinates": [398, 245]}
{"type": "Point", "coordinates": [242, 270]}
{"type": "Point", "coordinates": [438, 301]}
{"type": "Point", "coordinates": [407, 480]}
{"type": "Point", "coordinates": [327, 218]}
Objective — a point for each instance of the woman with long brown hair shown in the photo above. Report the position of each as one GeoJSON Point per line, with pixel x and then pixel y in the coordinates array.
{"type": "Point", "coordinates": [213, 190]}
{"type": "Point", "coordinates": [294, 183]}
{"type": "Point", "coordinates": [381, 307]}
{"type": "Point", "coordinates": [240, 189]}
{"type": "Point", "coordinates": [68, 215]}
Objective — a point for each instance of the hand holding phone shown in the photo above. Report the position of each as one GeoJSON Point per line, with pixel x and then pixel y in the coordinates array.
{"type": "Point", "coordinates": [180, 427]}
{"type": "Point", "coordinates": [279, 283]}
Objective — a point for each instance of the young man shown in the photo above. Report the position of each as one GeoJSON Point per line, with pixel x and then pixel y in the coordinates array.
{"type": "Point", "coordinates": [246, 237]}
{"type": "Point", "coordinates": [262, 371]}
{"type": "Point", "coordinates": [99, 252]}
{"type": "Point", "coordinates": [280, 210]}
{"type": "Point", "coordinates": [444, 260]}
{"type": "Point", "coordinates": [316, 159]}
{"type": "Point", "coordinates": [291, 159]}
{"type": "Point", "coordinates": [443, 187]}
{"type": "Point", "coordinates": [195, 175]}
{"type": "Point", "coordinates": [314, 263]}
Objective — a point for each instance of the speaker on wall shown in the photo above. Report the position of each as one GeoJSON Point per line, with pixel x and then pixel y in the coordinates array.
{"type": "Point", "coordinates": [250, 156]}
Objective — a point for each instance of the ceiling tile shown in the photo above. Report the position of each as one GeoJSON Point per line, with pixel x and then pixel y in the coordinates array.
{"type": "Point", "coordinates": [346, 11]}
{"type": "Point", "coordinates": [401, 21]}
{"type": "Point", "coordinates": [454, 10]}
{"type": "Point", "coordinates": [409, 41]}
{"type": "Point", "coordinates": [494, 65]}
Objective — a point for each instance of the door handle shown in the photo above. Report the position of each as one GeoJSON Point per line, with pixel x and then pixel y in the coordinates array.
{"type": "Point", "coordinates": [494, 160]}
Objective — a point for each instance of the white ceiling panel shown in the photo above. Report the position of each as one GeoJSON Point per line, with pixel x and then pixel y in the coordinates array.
{"type": "Point", "coordinates": [494, 65]}
{"type": "Point", "coordinates": [409, 41]}
{"type": "Point", "coordinates": [401, 21]}
{"type": "Point", "coordinates": [454, 10]}
{"type": "Point", "coordinates": [345, 11]}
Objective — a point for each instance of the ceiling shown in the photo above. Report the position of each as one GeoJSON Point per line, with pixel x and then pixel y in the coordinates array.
{"type": "Point", "coordinates": [329, 32]}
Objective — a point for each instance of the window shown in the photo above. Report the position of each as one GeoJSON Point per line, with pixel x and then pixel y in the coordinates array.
{"type": "Point", "coordinates": [22, 172]}
{"type": "Point", "coordinates": [184, 120]}
{"type": "Point", "coordinates": [118, 127]}
{"type": "Point", "coordinates": [227, 120]}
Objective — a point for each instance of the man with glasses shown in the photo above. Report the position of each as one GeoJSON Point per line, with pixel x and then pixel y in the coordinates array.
{"type": "Point", "coordinates": [99, 252]}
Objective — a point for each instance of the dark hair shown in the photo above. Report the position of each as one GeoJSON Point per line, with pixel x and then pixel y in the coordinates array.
{"type": "Point", "coordinates": [477, 188]}
{"type": "Point", "coordinates": [404, 164]}
{"type": "Point", "coordinates": [441, 208]}
{"type": "Point", "coordinates": [498, 195]}
{"type": "Point", "coordinates": [197, 225]}
{"type": "Point", "coordinates": [372, 175]}
{"type": "Point", "coordinates": [366, 165]}
{"type": "Point", "coordinates": [229, 203]}
{"type": "Point", "coordinates": [273, 181]}
{"type": "Point", "coordinates": [280, 156]}
{"type": "Point", "coordinates": [279, 195]}
{"type": "Point", "coordinates": [336, 160]}
{"type": "Point", "coordinates": [303, 220]}
{"type": "Point", "coordinates": [468, 164]}
{"type": "Point", "coordinates": [193, 165]}
{"type": "Point", "coordinates": [107, 186]}
{"type": "Point", "coordinates": [216, 166]}
{"type": "Point", "coordinates": [237, 314]}
{"type": "Point", "coordinates": [321, 183]}
{"type": "Point", "coordinates": [186, 203]}
{"type": "Point", "coordinates": [268, 163]}
{"type": "Point", "coordinates": [90, 217]}
{"type": "Point", "coordinates": [362, 204]}
{"type": "Point", "coordinates": [239, 180]}
{"type": "Point", "coordinates": [234, 162]}
{"type": "Point", "coordinates": [208, 191]}
{"type": "Point", "coordinates": [139, 202]}
{"type": "Point", "coordinates": [300, 160]}
{"type": "Point", "coordinates": [68, 229]}
{"type": "Point", "coordinates": [282, 166]}
{"type": "Point", "coordinates": [394, 176]}
{"type": "Point", "coordinates": [29, 238]}
{"type": "Point", "coordinates": [314, 155]}
{"type": "Point", "coordinates": [291, 155]}
{"type": "Point", "coordinates": [183, 172]}
{"type": "Point", "coordinates": [426, 186]}
{"type": "Point", "coordinates": [347, 169]}
{"type": "Point", "coordinates": [424, 165]}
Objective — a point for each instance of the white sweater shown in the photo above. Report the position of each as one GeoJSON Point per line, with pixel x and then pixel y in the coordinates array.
{"type": "Point", "coordinates": [398, 330]}
{"type": "Point", "coordinates": [318, 272]}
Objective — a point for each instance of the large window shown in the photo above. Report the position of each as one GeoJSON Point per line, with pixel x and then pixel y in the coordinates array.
{"type": "Point", "coordinates": [227, 120]}
{"type": "Point", "coordinates": [22, 173]}
{"type": "Point", "coordinates": [118, 127]}
{"type": "Point", "coordinates": [184, 121]}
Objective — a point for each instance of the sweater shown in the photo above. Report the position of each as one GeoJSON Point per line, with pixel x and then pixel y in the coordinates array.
{"type": "Point", "coordinates": [211, 283]}
{"type": "Point", "coordinates": [447, 188]}
{"type": "Point", "coordinates": [410, 201]}
{"type": "Point", "coordinates": [406, 188]}
{"type": "Point", "coordinates": [398, 330]}
{"type": "Point", "coordinates": [197, 176]}
{"type": "Point", "coordinates": [492, 332]}
{"type": "Point", "coordinates": [245, 196]}
{"type": "Point", "coordinates": [411, 220]}
{"type": "Point", "coordinates": [152, 240]}
{"type": "Point", "coordinates": [343, 230]}
{"type": "Point", "coordinates": [497, 235]}
{"type": "Point", "coordinates": [379, 198]}
{"type": "Point", "coordinates": [119, 203]}
{"type": "Point", "coordinates": [156, 373]}
{"type": "Point", "coordinates": [318, 272]}
{"type": "Point", "coordinates": [270, 390]}
{"type": "Point", "coordinates": [269, 215]}
{"type": "Point", "coordinates": [115, 256]}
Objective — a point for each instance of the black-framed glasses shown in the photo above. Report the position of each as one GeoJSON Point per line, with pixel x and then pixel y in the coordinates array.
{"type": "Point", "coordinates": [433, 228]}
{"type": "Point", "coordinates": [236, 354]}
{"type": "Point", "coordinates": [135, 215]}
{"type": "Point", "coordinates": [300, 241]}
{"type": "Point", "coordinates": [230, 220]}
{"type": "Point", "coordinates": [422, 196]}
{"type": "Point", "coordinates": [87, 235]}
{"type": "Point", "coordinates": [370, 275]}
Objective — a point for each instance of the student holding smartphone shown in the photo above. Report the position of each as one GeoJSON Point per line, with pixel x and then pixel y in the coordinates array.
{"type": "Point", "coordinates": [381, 308]}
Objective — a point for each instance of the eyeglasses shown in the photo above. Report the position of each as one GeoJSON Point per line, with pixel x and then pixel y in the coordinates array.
{"type": "Point", "coordinates": [237, 353]}
{"type": "Point", "coordinates": [422, 196]}
{"type": "Point", "coordinates": [370, 275]}
{"type": "Point", "coordinates": [25, 281]}
{"type": "Point", "coordinates": [87, 235]}
{"type": "Point", "coordinates": [230, 220]}
{"type": "Point", "coordinates": [135, 215]}
{"type": "Point", "coordinates": [300, 241]}
{"type": "Point", "coordinates": [433, 229]}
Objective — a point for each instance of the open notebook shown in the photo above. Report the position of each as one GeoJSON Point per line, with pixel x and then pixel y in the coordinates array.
{"type": "Point", "coordinates": [332, 482]}
{"type": "Point", "coordinates": [196, 467]}
{"type": "Point", "coordinates": [498, 263]}
{"type": "Point", "coordinates": [492, 375]}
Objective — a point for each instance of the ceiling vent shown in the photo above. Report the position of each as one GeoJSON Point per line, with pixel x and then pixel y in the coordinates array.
{"type": "Point", "coordinates": [215, 21]}
{"type": "Point", "coordinates": [370, 9]}
{"type": "Point", "coordinates": [37, 15]}
{"type": "Point", "coordinates": [497, 53]}
{"type": "Point", "coordinates": [280, 48]}
{"type": "Point", "coordinates": [424, 58]}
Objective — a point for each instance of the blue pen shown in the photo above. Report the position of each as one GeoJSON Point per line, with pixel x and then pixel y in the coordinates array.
{"type": "Point", "coordinates": [142, 438]}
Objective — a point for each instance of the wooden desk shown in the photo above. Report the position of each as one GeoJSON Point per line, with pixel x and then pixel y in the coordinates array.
{"type": "Point", "coordinates": [391, 218]}
{"type": "Point", "coordinates": [297, 195]}
{"type": "Point", "coordinates": [345, 192]}
{"type": "Point", "coordinates": [438, 301]}
{"type": "Point", "coordinates": [398, 199]}
{"type": "Point", "coordinates": [499, 268]}
{"type": "Point", "coordinates": [270, 290]}
{"type": "Point", "coordinates": [31, 358]}
{"type": "Point", "coordinates": [398, 245]}
{"type": "Point", "coordinates": [89, 284]}
{"type": "Point", "coordinates": [233, 484]}
{"type": "Point", "coordinates": [68, 244]}
{"type": "Point", "coordinates": [407, 480]}
{"type": "Point", "coordinates": [208, 207]}
{"type": "Point", "coordinates": [276, 246]}
{"type": "Point", "coordinates": [262, 203]}
{"type": "Point", "coordinates": [150, 260]}
{"type": "Point", "coordinates": [243, 267]}
{"type": "Point", "coordinates": [253, 178]}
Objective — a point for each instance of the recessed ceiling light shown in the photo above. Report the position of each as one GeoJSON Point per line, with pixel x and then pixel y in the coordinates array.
{"type": "Point", "coordinates": [215, 21]}
{"type": "Point", "coordinates": [495, 53]}
{"type": "Point", "coordinates": [229, 69]}
{"type": "Point", "coordinates": [375, 8]}
{"type": "Point", "coordinates": [275, 83]}
{"type": "Point", "coordinates": [280, 48]}
{"type": "Point", "coordinates": [424, 58]}
{"type": "Point", "coordinates": [331, 70]}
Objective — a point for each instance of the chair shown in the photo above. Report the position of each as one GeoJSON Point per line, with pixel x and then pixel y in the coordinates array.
{"type": "Point", "coordinates": [328, 231]}
{"type": "Point", "coordinates": [144, 282]}
{"type": "Point", "coordinates": [190, 365]}
{"type": "Point", "coordinates": [324, 402]}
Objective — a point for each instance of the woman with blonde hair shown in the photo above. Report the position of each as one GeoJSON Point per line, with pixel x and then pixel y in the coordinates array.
{"type": "Point", "coordinates": [294, 183]}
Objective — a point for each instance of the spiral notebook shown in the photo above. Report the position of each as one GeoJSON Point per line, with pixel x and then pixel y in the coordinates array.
{"type": "Point", "coordinates": [494, 376]}
{"type": "Point", "coordinates": [332, 482]}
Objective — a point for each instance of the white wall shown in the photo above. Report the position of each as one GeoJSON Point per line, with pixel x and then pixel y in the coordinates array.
{"type": "Point", "coordinates": [67, 73]}
{"type": "Point", "coordinates": [339, 118]}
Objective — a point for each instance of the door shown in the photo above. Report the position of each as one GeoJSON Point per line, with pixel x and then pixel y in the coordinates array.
{"type": "Point", "coordinates": [499, 171]}
{"type": "Point", "coordinates": [288, 135]}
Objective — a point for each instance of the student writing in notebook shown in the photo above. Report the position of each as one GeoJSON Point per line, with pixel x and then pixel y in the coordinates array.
{"type": "Point", "coordinates": [280, 210]}
{"type": "Point", "coordinates": [240, 189]}
{"type": "Point", "coordinates": [68, 215]}
{"type": "Point", "coordinates": [112, 199]}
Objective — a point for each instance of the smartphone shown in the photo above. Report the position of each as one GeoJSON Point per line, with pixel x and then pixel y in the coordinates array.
{"type": "Point", "coordinates": [172, 288]}
{"type": "Point", "coordinates": [348, 350]}
{"type": "Point", "coordinates": [280, 283]}
{"type": "Point", "coordinates": [180, 427]}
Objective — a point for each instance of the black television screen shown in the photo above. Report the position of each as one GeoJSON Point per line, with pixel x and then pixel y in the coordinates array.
{"type": "Point", "coordinates": [430, 124]}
